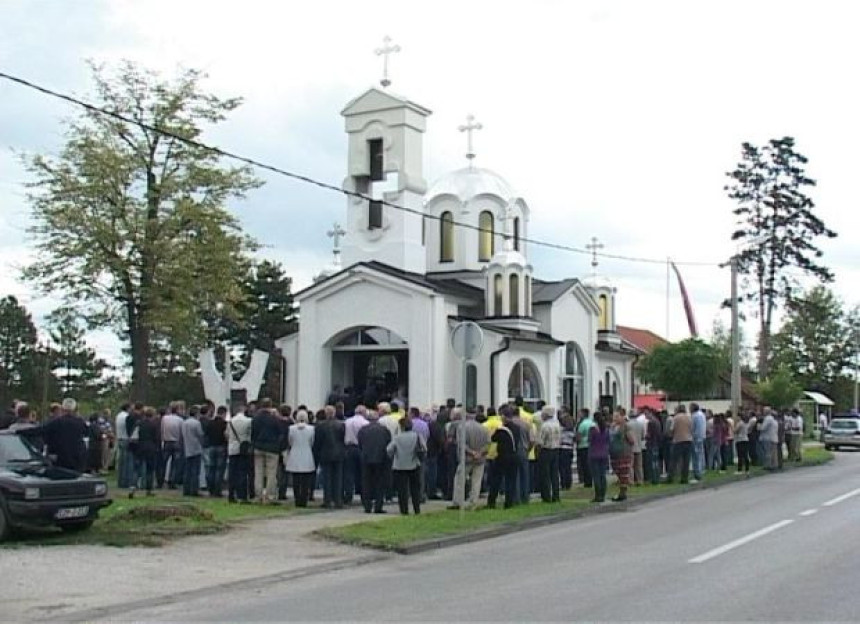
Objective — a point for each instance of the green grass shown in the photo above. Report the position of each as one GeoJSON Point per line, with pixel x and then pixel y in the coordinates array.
{"type": "Point", "coordinates": [399, 532]}
{"type": "Point", "coordinates": [126, 523]}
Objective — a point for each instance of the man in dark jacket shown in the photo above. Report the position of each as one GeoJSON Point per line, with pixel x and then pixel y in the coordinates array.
{"type": "Point", "coordinates": [373, 441]}
{"type": "Point", "coordinates": [267, 438]}
{"type": "Point", "coordinates": [507, 439]}
{"type": "Point", "coordinates": [435, 449]}
{"type": "Point", "coordinates": [64, 437]}
{"type": "Point", "coordinates": [330, 447]}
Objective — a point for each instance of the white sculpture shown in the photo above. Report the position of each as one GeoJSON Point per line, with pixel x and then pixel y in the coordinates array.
{"type": "Point", "coordinates": [217, 387]}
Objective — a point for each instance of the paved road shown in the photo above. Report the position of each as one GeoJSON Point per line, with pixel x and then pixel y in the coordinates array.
{"type": "Point", "coordinates": [785, 547]}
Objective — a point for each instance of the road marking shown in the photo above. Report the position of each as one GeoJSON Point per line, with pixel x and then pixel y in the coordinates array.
{"type": "Point", "coordinates": [808, 512]}
{"type": "Point", "coordinates": [716, 552]}
{"type": "Point", "coordinates": [839, 499]}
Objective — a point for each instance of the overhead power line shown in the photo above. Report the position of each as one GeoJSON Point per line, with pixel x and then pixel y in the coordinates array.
{"type": "Point", "coordinates": [324, 185]}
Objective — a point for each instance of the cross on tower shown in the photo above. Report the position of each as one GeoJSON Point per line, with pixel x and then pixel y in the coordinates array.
{"type": "Point", "coordinates": [470, 126]}
{"type": "Point", "coordinates": [335, 234]}
{"type": "Point", "coordinates": [594, 246]}
{"type": "Point", "coordinates": [386, 50]}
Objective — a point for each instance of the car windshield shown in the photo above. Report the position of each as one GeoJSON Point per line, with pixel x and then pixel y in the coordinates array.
{"type": "Point", "coordinates": [14, 450]}
{"type": "Point", "coordinates": [848, 425]}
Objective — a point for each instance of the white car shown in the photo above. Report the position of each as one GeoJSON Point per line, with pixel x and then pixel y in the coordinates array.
{"type": "Point", "coordinates": [842, 432]}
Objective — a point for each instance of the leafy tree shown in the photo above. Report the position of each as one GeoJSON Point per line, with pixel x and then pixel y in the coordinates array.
{"type": "Point", "coordinates": [814, 343]}
{"type": "Point", "coordinates": [684, 369]}
{"type": "Point", "coordinates": [18, 352]}
{"type": "Point", "coordinates": [130, 224]}
{"type": "Point", "coordinates": [777, 227]}
{"type": "Point", "coordinates": [78, 369]}
{"type": "Point", "coordinates": [721, 340]}
{"type": "Point", "coordinates": [780, 391]}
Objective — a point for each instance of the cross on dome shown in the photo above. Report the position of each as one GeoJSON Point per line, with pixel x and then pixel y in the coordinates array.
{"type": "Point", "coordinates": [336, 233]}
{"type": "Point", "coordinates": [470, 126]}
{"type": "Point", "coordinates": [594, 246]}
{"type": "Point", "coordinates": [385, 51]}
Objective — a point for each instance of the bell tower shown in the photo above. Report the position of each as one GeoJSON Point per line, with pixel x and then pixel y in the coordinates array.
{"type": "Point", "coordinates": [385, 163]}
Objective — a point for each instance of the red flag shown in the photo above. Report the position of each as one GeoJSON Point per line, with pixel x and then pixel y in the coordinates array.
{"type": "Point", "coordinates": [688, 306]}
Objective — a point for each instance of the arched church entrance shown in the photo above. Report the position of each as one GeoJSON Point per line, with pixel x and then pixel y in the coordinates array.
{"type": "Point", "coordinates": [573, 380]}
{"type": "Point", "coordinates": [369, 365]}
{"type": "Point", "coordinates": [525, 381]}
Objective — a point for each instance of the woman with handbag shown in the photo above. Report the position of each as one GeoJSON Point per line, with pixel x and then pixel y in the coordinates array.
{"type": "Point", "coordinates": [406, 451]}
{"type": "Point", "coordinates": [621, 452]}
{"type": "Point", "coordinates": [300, 458]}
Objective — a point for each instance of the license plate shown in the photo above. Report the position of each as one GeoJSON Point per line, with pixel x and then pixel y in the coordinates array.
{"type": "Point", "coordinates": [72, 512]}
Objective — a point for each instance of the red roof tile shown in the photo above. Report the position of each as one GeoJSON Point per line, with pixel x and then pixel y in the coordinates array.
{"type": "Point", "coordinates": [645, 339]}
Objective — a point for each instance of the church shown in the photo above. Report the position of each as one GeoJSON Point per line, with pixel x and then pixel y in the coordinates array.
{"type": "Point", "coordinates": [419, 259]}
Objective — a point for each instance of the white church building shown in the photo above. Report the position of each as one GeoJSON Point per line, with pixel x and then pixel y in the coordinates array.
{"type": "Point", "coordinates": [381, 322]}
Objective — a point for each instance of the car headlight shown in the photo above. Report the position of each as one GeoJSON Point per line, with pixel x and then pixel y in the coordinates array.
{"type": "Point", "coordinates": [101, 489]}
{"type": "Point", "coordinates": [31, 493]}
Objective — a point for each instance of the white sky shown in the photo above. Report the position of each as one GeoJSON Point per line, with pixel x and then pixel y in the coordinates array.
{"type": "Point", "coordinates": [613, 119]}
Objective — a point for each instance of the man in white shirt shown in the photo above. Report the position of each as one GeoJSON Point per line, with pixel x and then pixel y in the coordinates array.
{"type": "Point", "coordinates": [239, 456]}
{"type": "Point", "coordinates": [124, 461]}
{"type": "Point", "coordinates": [352, 463]}
{"type": "Point", "coordinates": [822, 425]}
{"type": "Point", "coordinates": [638, 429]}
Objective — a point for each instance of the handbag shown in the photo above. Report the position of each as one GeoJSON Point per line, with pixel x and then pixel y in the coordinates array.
{"type": "Point", "coordinates": [244, 445]}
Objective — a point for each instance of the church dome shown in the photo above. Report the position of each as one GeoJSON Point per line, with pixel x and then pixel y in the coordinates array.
{"type": "Point", "coordinates": [470, 182]}
{"type": "Point", "coordinates": [596, 281]}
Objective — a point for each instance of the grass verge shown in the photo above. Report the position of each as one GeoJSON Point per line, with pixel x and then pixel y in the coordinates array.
{"type": "Point", "coordinates": [154, 521]}
{"type": "Point", "coordinates": [399, 533]}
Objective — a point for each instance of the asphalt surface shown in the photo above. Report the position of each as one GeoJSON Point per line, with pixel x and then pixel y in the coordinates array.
{"type": "Point", "coordinates": [780, 548]}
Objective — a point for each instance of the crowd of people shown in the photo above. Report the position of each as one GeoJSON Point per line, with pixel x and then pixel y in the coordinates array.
{"type": "Point", "coordinates": [385, 451]}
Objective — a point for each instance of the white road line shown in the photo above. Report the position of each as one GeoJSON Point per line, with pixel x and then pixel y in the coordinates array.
{"type": "Point", "coordinates": [839, 499]}
{"type": "Point", "coordinates": [808, 512]}
{"type": "Point", "coordinates": [716, 552]}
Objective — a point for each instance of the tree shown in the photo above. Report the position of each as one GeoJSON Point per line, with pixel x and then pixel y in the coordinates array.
{"type": "Point", "coordinates": [78, 369]}
{"type": "Point", "coordinates": [814, 342]}
{"type": "Point", "coordinates": [130, 224]}
{"type": "Point", "coordinates": [779, 391]}
{"type": "Point", "coordinates": [18, 352]}
{"type": "Point", "coordinates": [777, 228]}
{"type": "Point", "coordinates": [684, 369]}
{"type": "Point", "coordinates": [721, 341]}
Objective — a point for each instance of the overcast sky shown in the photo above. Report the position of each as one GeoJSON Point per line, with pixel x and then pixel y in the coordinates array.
{"type": "Point", "coordinates": [612, 119]}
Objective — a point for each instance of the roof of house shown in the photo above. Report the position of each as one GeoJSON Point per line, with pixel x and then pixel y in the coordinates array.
{"type": "Point", "coordinates": [547, 292]}
{"type": "Point", "coordinates": [644, 339]}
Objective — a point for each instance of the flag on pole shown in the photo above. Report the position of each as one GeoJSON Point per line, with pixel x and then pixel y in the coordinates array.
{"type": "Point", "coordinates": [688, 306]}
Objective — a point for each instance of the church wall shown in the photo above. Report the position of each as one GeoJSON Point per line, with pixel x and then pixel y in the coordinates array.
{"type": "Point", "coordinates": [619, 365]}
{"type": "Point", "coordinates": [572, 321]}
{"type": "Point", "coordinates": [289, 347]}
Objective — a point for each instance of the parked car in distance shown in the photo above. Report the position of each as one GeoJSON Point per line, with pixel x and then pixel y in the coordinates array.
{"type": "Point", "coordinates": [33, 493]}
{"type": "Point", "coordinates": [842, 432]}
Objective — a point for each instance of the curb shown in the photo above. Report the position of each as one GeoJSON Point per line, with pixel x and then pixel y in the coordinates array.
{"type": "Point", "coordinates": [438, 543]}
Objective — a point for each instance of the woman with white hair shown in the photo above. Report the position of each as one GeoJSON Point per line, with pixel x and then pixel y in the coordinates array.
{"type": "Point", "coordinates": [300, 461]}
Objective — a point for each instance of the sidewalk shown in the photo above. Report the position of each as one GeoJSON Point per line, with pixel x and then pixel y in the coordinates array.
{"type": "Point", "coordinates": [50, 581]}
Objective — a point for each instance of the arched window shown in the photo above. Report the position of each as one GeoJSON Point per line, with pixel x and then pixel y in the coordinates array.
{"type": "Point", "coordinates": [603, 303]}
{"type": "Point", "coordinates": [446, 237]}
{"type": "Point", "coordinates": [525, 381]}
{"type": "Point", "coordinates": [486, 236]}
{"type": "Point", "coordinates": [573, 385]}
{"type": "Point", "coordinates": [498, 287]}
{"type": "Point", "coordinates": [514, 296]}
{"type": "Point", "coordinates": [527, 297]}
{"type": "Point", "coordinates": [516, 233]}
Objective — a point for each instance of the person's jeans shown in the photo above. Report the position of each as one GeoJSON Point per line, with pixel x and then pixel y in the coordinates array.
{"type": "Point", "coordinates": [191, 481]}
{"type": "Point", "coordinates": [565, 468]}
{"type": "Point", "coordinates": [698, 459]}
{"type": "Point", "coordinates": [216, 466]}
{"type": "Point", "coordinates": [666, 456]}
{"type": "Point", "coordinates": [408, 483]}
{"type": "Point", "coordinates": [681, 461]}
{"type": "Point", "coordinates": [523, 485]}
{"type": "Point", "coordinates": [743, 450]}
{"type": "Point", "coordinates": [333, 483]}
{"type": "Point", "coordinates": [240, 467]}
{"type": "Point", "coordinates": [474, 473]}
{"type": "Point", "coordinates": [265, 475]}
{"type": "Point", "coordinates": [301, 487]}
{"type": "Point", "coordinates": [548, 475]}
{"type": "Point", "coordinates": [373, 483]}
{"type": "Point", "coordinates": [351, 473]}
{"type": "Point", "coordinates": [431, 475]}
{"type": "Point", "coordinates": [506, 472]}
{"type": "Point", "coordinates": [583, 467]}
{"type": "Point", "coordinates": [598, 469]}
{"type": "Point", "coordinates": [651, 456]}
{"type": "Point", "coordinates": [203, 477]}
{"type": "Point", "coordinates": [638, 470]}
{"type": "Point", "coordinates": [125, 464]}
{"type": "Point", "coordinates": [174, 460]}
{"type": "Point", "coordinates": [144, 471]}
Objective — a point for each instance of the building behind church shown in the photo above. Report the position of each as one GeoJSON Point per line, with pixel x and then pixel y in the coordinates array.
{"type": "Point", "coordinates": [380, 325]}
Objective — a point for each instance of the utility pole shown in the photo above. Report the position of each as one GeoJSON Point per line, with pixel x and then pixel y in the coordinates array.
{"type": "Point", "coordinates": [736, 343]}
